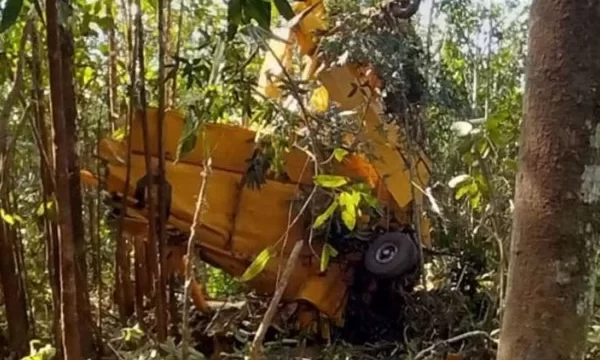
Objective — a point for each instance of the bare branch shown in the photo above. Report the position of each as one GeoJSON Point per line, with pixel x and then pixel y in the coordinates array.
{"type": "Point", "coordinates": [460, 337]}
{"type": "Point", "coordinates": [189, 261]}
{"type": "Point", "coordinates": [268, 318]}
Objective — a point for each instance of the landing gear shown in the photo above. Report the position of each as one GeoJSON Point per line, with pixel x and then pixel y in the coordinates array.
{"type": "Point", "coordinates": [392, 255]}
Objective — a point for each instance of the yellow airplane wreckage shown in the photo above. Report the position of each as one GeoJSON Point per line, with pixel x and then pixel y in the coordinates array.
{"type": "Point", "coordinates": [238, 223]}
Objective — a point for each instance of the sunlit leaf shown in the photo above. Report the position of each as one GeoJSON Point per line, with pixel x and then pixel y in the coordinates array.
{"type": "Point", "coordinates": [326, 214]}
{"type": "Point", "coordinates": [118, 134]}
{"type": "Point", "coordinates": [10, 219]}
{"type": "Point", "coordinates": [349, 202]}
{"type": "Point", "coordinates": [330, 181]}
{"type": "Point", "coordinates": [463, 190]}
{"type": "Point", "coordinates": [458, 179]}
{"type": "Point", "coordinates": [9, 14]}
{"type": "Point", "coordinates": [41, 210]}
{"type": "Point", "coordinates": [258, 264]}
{"type": "Point", "coordinates": [46, 352]}
{"type": "Point", "coordinates": [475, 201]}
{"type": "Point", "coordinates": [340, 154]}
{"type": "Point", "coordinates": [327, 253]}
{"type": "Point", "coordinates": [320, 99]}
{"type": "Point", "coordinates": [132, 333]}
{"type": "Point", "coordinates": [462, 128]}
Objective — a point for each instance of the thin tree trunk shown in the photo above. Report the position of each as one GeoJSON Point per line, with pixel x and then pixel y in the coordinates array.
{"type": "Point", "coordinates": [112, 68]}
{"type": "Point", "coordinates": [46, 160]}
{"type": "Point", "coordinates": [121, 269]}
{"type": "Point", "coordinates": [10, 278]}
{"type": "Point", "coordinates": [161, 307]}
{"type": "Point", "coordinates": [14, 294]}
{"type": "Point", "coordinates": [173, 96]}
{"type": "Point", "coordinates": [68, 267]}
{"type": "Point", "coordinates": [141, 282]}
{"type": "Point", "coordinates": [20, 254]}
{"type": "Point", "coordinates": [86, 324]}
{"type": "Point", "coordinates": [555, 232]}
{"type": "Point", "coordinates": [152, 251]}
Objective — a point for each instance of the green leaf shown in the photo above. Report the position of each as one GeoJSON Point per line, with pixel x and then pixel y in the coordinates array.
{"type": "Point", "coordinates": [371, 200]}
{"type": "Point", "coordinates": [132, 333]}
{"type": "Point", "coordinates": [340, 154]}
{"type": "Point", "coordinates": [349, 202]}
{"type": "Point", "coordinates": [458, 180]}
{"type": "Point", "coordinates": [234, 17]}
{"type": "Point", "coordinates": [511, 164]}
{"type": "Point", "coordinates": [284, 8]}
{"type": "Point", "coordinates": [326, 214]}
{"type": "Point", "coordinates": [260, 11]}
{"type": "Point", "coordinates": [185, 145]}
{"type": "Point", "coordinates": [327, 253]}
{"type": "Point", "coordinates": [475, 201]}
{"type": "Point", "coordinates": [217, 63]}
{"type": "Point", "coordinates": [462, 128]}
{"type": "Point", "coordinates": [462, 191]}
{"type": "Point", "coordinates": [10, 14]}
{"type": "Point", "coordinates": [258, 264]}
{"type": "Point", "coordinates": [189, 137]}
{"type": "Point", "coordinates": [330, 181]}
{"type": "Point", "coordinates": [118, 134]}
{"type": "Point", "coordinates": [8, 218]}
{"type": "Point", "coordinates": [41, 210]}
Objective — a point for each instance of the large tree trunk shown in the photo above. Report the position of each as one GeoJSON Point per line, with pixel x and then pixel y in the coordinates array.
{"type": "Point", "coordinates": [555, 237]}
{"type": "Point", "coordinates": [68, 267]}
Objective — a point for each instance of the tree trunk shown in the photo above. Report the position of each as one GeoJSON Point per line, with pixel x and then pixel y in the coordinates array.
{"type": "Point", "coordinates": [46, 160]}
{"type": "Point", "coordinates": [112, 68]}
{"type": "Point", "coordinates": [10, 278]}
{"type": "Point", "coordinates": [86, 324]}
{"type": "Point", "coordinates": [161, 303]}
{"type": "Point", "coordinates": [68, 267]}
{"type": "Point", "coordinates": [14, 294]}
{"type": "Point", "coordinates": [555, 239]}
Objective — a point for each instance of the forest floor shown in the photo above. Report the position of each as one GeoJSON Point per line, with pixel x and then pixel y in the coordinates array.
{"type": "Point", "coordinates": [443, 324]}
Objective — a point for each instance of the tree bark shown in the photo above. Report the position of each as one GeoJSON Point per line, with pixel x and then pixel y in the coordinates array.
{"type": "Point", "coordinates": [112, 68]}
{"type": "Point", "coordinates": [40, 131]}
{"type": "Point", "coordinates": [10, 278]}
{"type": "Point", "coordinates": [68, 267]}
{"type": "Point", "coordinates": [14, 294]}
{"type": "Point", "coordinates": [554, 247]}
{"type": "Point", "coordinates": [161, 306]}
{"type": "Point", "coordinates": [86, 324]}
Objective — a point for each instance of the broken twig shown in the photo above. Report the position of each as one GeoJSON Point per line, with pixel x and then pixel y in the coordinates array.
{"type": "Point", "coordinates": [189, 259]}
{"type": "Point", "coordinates": [460, 337]}
{"type": "Point", "coordinates": [270, 313]}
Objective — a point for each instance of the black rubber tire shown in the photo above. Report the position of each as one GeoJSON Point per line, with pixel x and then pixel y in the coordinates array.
{"type": "Point", "coordinates": [403, 258]}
